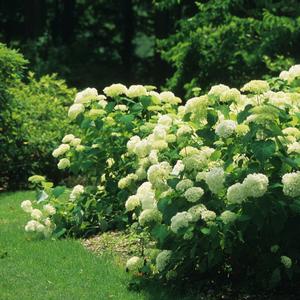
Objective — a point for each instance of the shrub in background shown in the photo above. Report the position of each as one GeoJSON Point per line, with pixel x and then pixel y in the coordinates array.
{"type": "Point", "coordinates": [32, 121]}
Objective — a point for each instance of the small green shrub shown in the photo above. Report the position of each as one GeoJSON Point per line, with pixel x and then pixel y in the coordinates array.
{"type": "Point", "coordinates": [32, 121]}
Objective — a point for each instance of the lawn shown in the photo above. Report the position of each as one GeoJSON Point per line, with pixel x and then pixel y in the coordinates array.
{"type": "Point", "coordinates": [47, 269]}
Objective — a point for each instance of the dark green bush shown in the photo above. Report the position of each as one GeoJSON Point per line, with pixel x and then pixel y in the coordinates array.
{"type": "Point", "coordinates": [230, 41]}
{"type": "Point", "coordinates": [33, 121]}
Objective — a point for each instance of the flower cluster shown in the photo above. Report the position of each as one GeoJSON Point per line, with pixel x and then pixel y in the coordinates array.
{"type": "Point", "coordinates": [41, 219]}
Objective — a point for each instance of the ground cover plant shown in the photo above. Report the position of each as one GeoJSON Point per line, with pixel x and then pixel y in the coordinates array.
{"type": "Point", "coordinates": [214, 182]}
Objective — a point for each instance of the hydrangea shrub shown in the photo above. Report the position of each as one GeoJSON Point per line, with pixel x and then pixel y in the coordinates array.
{"type": "Point", "coordinates": [214, 182]}
{"type": "Point", "coordinates": [220, 195]}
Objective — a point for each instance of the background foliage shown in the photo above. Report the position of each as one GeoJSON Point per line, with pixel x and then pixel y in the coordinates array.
{"type": "Point", "coordinates": [33, 120]}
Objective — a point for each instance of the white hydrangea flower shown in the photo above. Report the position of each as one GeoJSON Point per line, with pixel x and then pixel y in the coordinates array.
{"type": "Point", "coordinates": [155, 96]}
{"type": "Point", "coordinates": [115, 89]}
{"type": "Point", "coordinates": [121, 107]}
{"type": "Point", "coordinates": [146, 195]}
{"type": "Point", "coordinates": [217, 90]}
{"type": "Point", "coordinates": [225, 128]}
{"type": "Point", "coordinates": [255, 185]}
{"type": "Point", "coordinates": [256, 86]}
{"type": "Point", "coordinates": [153, 158]}
{"type": "Point", "coordinates": [49, 209]}
{"type": "Point", "coordinates": [136, 91]}
{"type": "Point", "coordinates": [184, 130]}
{"type": "Point", "coordinates": [286, 261]}
{"type": "Point", "coordinates": [76, 192]}
{"type": "Point", "coordinates": [228, 217]}
{"type": "Point", "coordinates": [86, 96]}
{"type": "Point", "coordinates": [141, 173]}
{"type": "Point", "coordinates": [208, 215]}
{"type": "Point", "coordinates": [193, 194]}
{"type": "Point", "coordinates": [196, 211]}
{"type": "Point", "coordinates": [31, 226]}
{"type": "Point", "coordinates": [132, 143]}
{"type": "Point", "coordinates": [26, 205]}
{"type": "Point", "coordinates": [63, 164]}
{"type": "Point", "coordinates": [134, 264]}
{"type": "Point", "coordinates": [294, 71]}
{"type": "Point", "coordinates": [61, 150]}
{"type": "Point", "coordinates": [36, 214]}
{"type": "Point", "coordinates": [183, 185]}
{"type": "Point", "coordinates": [163, 259]}
{"type": "Point", "coordinates": [291, 184]}
{"type": "Point", "coordinates": [165, 120]}
{"type": "Point", "coordinates": [230, 95]}
{"type": "Point", "coordinates": [40, 227]}
{"type": "Point", "coordinates": [132, 202]}
{"type": "Point", "coordinates": [68, 138]}
{"type": "Point", "coordinates": [215, 179]}
{"type": "Point", "coordinates": [158, 173]}
{"type": "Point", "coordinates": [236, 193]}
{"type": "Point", "coordinates": [294, 148]}
{"type": "Point", "coordinates": [142, 148]}
{"type": "Point", "coordinates": [75, 142]}
{"type": "Point", "coordinates": [188, 151]}
{"type": "Point", "coordinates": [127, 181]}
{"type": "Point", "coordinates": [149, 216]}
{"type": "Point", "coordinates": [285, 75]}
{"type": "Point", "coordinates": [169, 97]}
{"type": "Point", "coordinates": [47, 222]}
{"type": "Point", "coordinates": [75, 110]}
{"type": "Point", "coordinates": [178, 168]}
{"type": "Point", "coordinates": [159, 132]}
{"type": "Point", "coordinates": [180, 220]}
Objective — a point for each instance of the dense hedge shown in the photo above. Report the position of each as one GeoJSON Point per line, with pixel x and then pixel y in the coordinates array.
{"type": "Point", "coordinates": [33, 120]}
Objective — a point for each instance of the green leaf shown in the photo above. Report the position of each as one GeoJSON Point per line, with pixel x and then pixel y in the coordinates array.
{"type": "Point", "coordinates": [263, 150]}
{"type": "Point", "coordinates": [205, 230]}
{"type": "Point", "coordinates": [146, 101]}
{"type": "Point", "coordinates": [57, 191]}
{"type": "Point", "coordinates": [275, 278]}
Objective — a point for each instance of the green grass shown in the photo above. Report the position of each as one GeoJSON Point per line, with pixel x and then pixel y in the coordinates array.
{"type": "Point", "coordinates": [47, 269]}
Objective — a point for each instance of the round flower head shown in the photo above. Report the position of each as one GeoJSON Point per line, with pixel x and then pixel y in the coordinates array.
{"type": "Point", "coordinates": [76, 192]}
{"type": "Point", "coordinates": [150, 216]}
{"type": "Point", "coordinates": [134, 264]}
{"type": "Point", "coordinates": [36, 214]}
{"type": "Point", "coordinates": [132, 143]}
{"type": "Point", "coordinates": [75, 110]}
{"type": "Point", "coordinates": [165, 120]}
{"type": "Point", "coordinates": [63, 164]}
{"type": "Point", "coordinates": [169, 97]}
{"type": "Point", "coordinates": [255, 185]}
{"type": "Point", "coordinates": [217, 90]}
{"type": "Point", "coordinates": [75, 142]}
{"type": "Point", "coordinates": [115, 89]}
{"type": "Point", "coordinates": [27, 206]}
{"type": "Point", "coordinates": [36, 179]}
{"type": "Point", "coordinates": [163, 259]}
{"type": "Point", "coordinates": [180, 220]}
{"type": "Point", "coordinates": [49, 209]}
{"type": "Point", "coordinates": [86, 96]}
{"type": "Point", "coordinates": [208, 215]}
{"type": "Point", "coordinates": [228, 217]}
{"type": "Point", "coordinates": [230, 95]}
{"type": "Point", "coordinates": [68, 138]}
{"type": "Point", "coordinates": [236, 193]}
{"type": "Point", "coordinates": [225, 128]}
{"type": "Point", "coordinates": [132, 202]}
{"type": "Point", "coordinates": [136, 91]}
{"type": "Point", "coordinates": [215, 179]}
{"type": "Point", "coordinates": [196, 211]}
{"type": "Point", "coordinates": [31, 226]}
{"type": "Point", "coordinates": [291, 184]}
{"type": "Point", "coordinates": [256, 86]}
{"type": "Point", "coordinates": [40, 227]}
{"type": "Point", "coordinates": [121, 107]}
{"type": "Point", "coordinates": [193, 194]}
{"type": "Point", "coordinates": [183, 185]}
{"type": "Point", "coordinates": [147, 196]}
{"type": "Point", "coordinates": [61, 150]}
{"type": "Point", "coordinates": [142, 148]}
